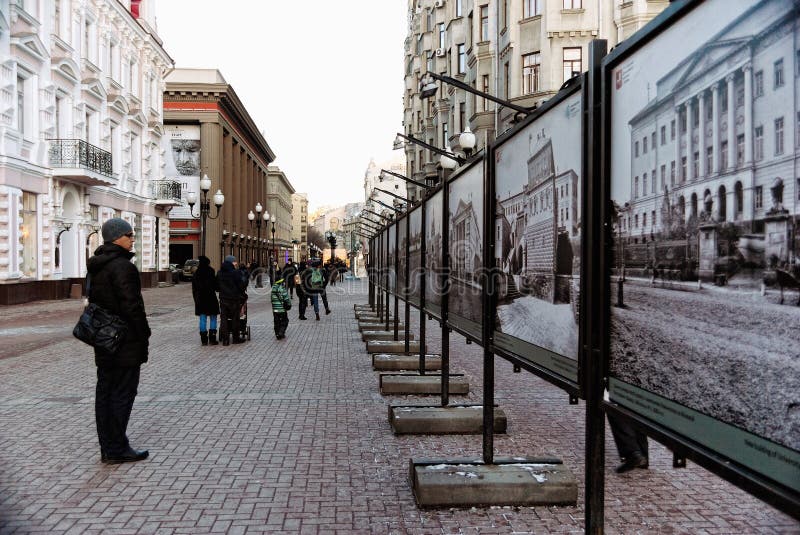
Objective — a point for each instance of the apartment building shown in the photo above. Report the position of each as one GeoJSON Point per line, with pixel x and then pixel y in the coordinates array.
{"type": "Point", "coordinates": [521, 51]}
{"type": "Point", "coordinates": [80, 140]}
{"type": "Point", "coordinates": [299, 226]}
{"type": "Point", "coordinates": [279, 203]}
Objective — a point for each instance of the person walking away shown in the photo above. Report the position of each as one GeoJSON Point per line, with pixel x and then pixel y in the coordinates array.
{"type": "Point", "coordinates": [313, 285]}
{"type": "Point", "coordinates": [631, 445]}
{"type": "Point", "coordinates": [206, 305]}
{"type": "Point", "coordinates": [231, 287]}
{"type": "Point", "coordinates": [114, 284]}
{"type": "Point", "coordinates": [289, 273]}
{"type": "Point", "coordinates": [256, 273]}
{"type": "Point", "coordinates": [301, 294]}
{"type": "Point", "coordinates": [326, 277]}
{"type": "Point", "coordinates": [281, 304]}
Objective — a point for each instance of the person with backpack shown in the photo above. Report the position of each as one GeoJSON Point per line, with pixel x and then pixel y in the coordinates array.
{"type": "Point", "coordinates": [313, 282]}
{"type": "Point", "coordinates": [281, 304]}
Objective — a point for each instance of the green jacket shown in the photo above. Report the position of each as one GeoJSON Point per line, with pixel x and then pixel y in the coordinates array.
{"type": "Point", "coordinates": [280, 297]}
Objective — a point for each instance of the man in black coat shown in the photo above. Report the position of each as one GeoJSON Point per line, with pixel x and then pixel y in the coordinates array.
{"type": "Point", "coordinates": [232, 293]}
{"type": "Point", "coordinates": [115, 285]}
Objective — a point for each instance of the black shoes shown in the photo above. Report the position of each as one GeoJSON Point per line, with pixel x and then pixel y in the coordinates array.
{"type": "Point", "coordinates": [130, 456]}
{"type": "Point", "coordinates": [635, 461]}
{"type": "Point", "coordinates": [317, 316]}
{"type": "Point", "coordinates": [327, 311]}
{"type": "Point", "coordinates": [303, 318]}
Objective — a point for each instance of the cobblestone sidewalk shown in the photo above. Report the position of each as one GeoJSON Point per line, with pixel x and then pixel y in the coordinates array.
{"type": "Point", "coordinates": [292, 436]}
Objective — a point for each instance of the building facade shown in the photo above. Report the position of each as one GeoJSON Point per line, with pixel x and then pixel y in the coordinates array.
{"type": "Point", "coordinates": [300, 226]}
{"type": "Point", "coordinates": [279, 203]}
{"type": "Point", "coordinates": [211, 133]}
{"type": "Point", "coordinates": [80, 137]}
{"type": "Point", "coordinates": [518, 50]}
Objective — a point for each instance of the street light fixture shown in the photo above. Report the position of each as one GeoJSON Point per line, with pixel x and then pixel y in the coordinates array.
{"type": "Point", "coordinates": [95, 230]}
{"type": "Point", "coordinates": [274, 251]}
{"type": "Point", "coordinates": [205, 208]}
{"type": "Point", "coordinates": [258, 218]}
{"type": "Point", "coordinates": [387, 206]}
{"type": "Point", "coordinates": [401, 177]}
{"type": "Point", "coordinates": [391, 194]}
{"type": "Point", "coordinates": [65, 226]}
{"type": "Point", "coordinates": [428, 88]}
{"type": "Point", "coordinates": [374, 213]}
{"type": "Point", "coordinates": [331, 237]}
{"type": "Point", "coordinates": [398, 143]}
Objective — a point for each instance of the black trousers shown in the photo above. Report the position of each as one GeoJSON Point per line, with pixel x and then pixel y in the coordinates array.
{"type": "Point", "coordinates": [629, 441]}
{"type": "Point", "coordinates": [116, 390]}
{"type": "Point", "coordinates": [303, 303]}
{"type": "Point", "coordinates": [290, 287]}
{"type": "Point", "coordinates": [325, 300]}
{"type": "Point", "coordinates": [229, 309]}
{"type": "Point", "coordinates": [281, 323]}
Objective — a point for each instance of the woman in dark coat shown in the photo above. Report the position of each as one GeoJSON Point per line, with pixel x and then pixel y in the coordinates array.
{"type": "Point", "coordinates": [204, 291]}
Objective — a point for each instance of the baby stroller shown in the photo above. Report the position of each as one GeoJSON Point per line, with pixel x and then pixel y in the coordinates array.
{"type": "Point", "coordinates": [244, 328]}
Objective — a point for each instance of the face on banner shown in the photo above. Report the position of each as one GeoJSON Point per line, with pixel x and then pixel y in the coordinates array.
{"type": "Point", "coordinates": [181, 145]}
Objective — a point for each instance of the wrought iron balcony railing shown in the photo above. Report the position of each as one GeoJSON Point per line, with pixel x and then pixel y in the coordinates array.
{"type": "Point", "coordinates": [76, 153]}
{"type": "Point", "coordinates": [169, 190]}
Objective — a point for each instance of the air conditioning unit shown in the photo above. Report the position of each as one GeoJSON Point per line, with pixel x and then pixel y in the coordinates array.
{"type": "Point", "coordinates": [440, 52]}
{"type": "Point", "coordinates": [438, 3]}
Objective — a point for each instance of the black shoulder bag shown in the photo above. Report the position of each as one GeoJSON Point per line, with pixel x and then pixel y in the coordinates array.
{"type": "Point", "coordinates": [98, 327]}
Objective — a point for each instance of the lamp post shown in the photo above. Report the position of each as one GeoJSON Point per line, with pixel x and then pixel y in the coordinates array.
{"type": "Point", "coordinates": [273, 261]}
{"type": "Point", "coordinates": [258, 218]}
{"type": "Point", "coordinates": [95, 230]}
{"type": "Point", "coordinates": [331, 237]}
{"type": "Point", "coordinates": [205, 208]}
{"type": "Point", "coordinates": [64, 228]}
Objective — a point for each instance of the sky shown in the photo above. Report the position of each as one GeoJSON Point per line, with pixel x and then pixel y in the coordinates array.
{"type": "Point", "coordinates": [323, 80]}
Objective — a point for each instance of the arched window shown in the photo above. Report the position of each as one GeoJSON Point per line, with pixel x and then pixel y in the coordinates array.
{"type": "Point", "coordinates": [723, 208]}
{"type": "Point", "coordinates": [738, 200]}
{"type": "Point", "coordinates": [693, 206]}
{"type": "Point", "coordinates": [682, 207]}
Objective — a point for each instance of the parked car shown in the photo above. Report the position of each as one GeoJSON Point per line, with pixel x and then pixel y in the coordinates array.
{"type": "Point", "coordinates": [175, 271]}
{"type": "Point", "coordinates": [189, 268]}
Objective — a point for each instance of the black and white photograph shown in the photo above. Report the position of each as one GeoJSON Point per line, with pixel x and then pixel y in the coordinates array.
{"type": "Point", "coordinates": [465, 242]}
{"type": "Point", "coordinates": [181, 146]}
{"type": "Point", "coordinates": [415, 254]}
{"type": "Point", "coordinates": [538, 230]}
{"type": "Point", "coordinates": [705, 193]}
{"type": "Point", "coordinates": [434, 250]}
{"type": "Point", "coordinates": [402, 257]}
{"type": "Point", "coordinates": [391, 252]}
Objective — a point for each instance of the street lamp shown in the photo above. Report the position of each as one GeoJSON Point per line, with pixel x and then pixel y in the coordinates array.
{"type": "Point", "coordinates": [331, 237]}
{"type": "Point", "coordinates": [95, 230]}
{"type": "Point", "coordinates": [272, 263]}
{"type": "Point", "coordinates": [64, 228]}
{"type": "Point", "coordinates": [205, 208]}
{"type": "Point", "coordinates": [384, 172]}
{"type": "Point", "coordinates": [258, 219]}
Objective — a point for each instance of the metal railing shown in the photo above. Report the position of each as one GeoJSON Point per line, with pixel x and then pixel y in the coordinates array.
{"type": "Point", "coordinates": [76, 153]}
{"type": "Point", "coordinates": [165, 190]}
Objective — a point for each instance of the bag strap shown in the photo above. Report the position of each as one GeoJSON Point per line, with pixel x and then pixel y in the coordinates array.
{"type": "Point", "coordinates": [88, 285]}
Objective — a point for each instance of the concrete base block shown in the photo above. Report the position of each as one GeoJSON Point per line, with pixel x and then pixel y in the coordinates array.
{"type": "Point", "coordinates": [384, 335]}
{"type": "Point", "coordinates": [438, 420]}
{"type": "Point", "coordinates": [370, 316]}
{"type": "Point", "coordinates": [359, 307]}
{"type": "Point", "coordinates": [391, 346]}
{"type": "Point", "coordinates": [516, 481]}
{"type": "Point", "coordinates": [411, 383]}
{"type": "Point", "coordinates": [392, 363]}
{"type": "Point", "coordinates": [375, 326]}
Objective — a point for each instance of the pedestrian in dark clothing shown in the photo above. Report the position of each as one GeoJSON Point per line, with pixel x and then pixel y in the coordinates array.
{"type": "Point", "coordinates": [281, 304]}
{"type": "Point", "coordinates": [301, 294]}
{"type": "Point", "coordinates": [256, 272]}
{"type": "Point", "coordinates": [631, 445]}
{"type": "Point", "coordinates": [232, 294]}
{"type": "Point", "coordinates": [289, 273]}
{"type": "Point", "coordinates": [206, 305]}
{"type": "Point", "coordinates": [114, 284]}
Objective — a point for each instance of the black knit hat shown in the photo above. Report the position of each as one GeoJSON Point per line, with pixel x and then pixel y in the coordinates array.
{"type": "Point", "coordinates": [114, 228]}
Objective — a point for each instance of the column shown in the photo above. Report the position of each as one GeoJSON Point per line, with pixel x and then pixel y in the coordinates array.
{"type": "Point", "coordinates": [677, 144]}
{"type": "Point", "coordinates": [701, 136]}
{"type": "Point", "coordinates": [731, 122]}
{"type": "Point", "coordinates": [211, 150]}
{"type": "Point", "coordinates": [689, 151]}
{"type": "Point", "coordinates": [748, 114]}
{"type": "Point", "coordinates": [715, 128]}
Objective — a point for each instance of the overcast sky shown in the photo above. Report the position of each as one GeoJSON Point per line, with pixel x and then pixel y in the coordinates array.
{"type": "Point", "coordinates": [323, 80]}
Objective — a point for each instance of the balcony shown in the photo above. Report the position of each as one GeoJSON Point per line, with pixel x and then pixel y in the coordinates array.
{"type": "Point", "coordinates": [82, 162]}
{"type": "Point", "coordinates": [166, 192]}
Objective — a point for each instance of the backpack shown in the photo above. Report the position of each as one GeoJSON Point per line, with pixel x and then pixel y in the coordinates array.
{"type": "Point", "coordinates": [316, 278]}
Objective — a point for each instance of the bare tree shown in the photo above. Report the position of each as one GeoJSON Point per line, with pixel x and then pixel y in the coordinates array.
{"type": "Point", "coordinates": [316, 237]}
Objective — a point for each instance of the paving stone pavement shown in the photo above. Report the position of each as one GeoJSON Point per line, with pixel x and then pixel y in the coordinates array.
{"type": "Point", "coordinates": [292, 436]}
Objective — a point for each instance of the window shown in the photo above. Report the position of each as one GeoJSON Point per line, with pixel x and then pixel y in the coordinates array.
{"type": "Point", "coordinates": [709, 109]}
{"type": "Point", "coordinates": [672, 130]}
{"type": "Point", "coordinates": [696, 164]}
{"type": "Point", "coordinates": [441, 36]}
{"type": "Point", "coordinates": [758, 197]}
{"type": "Point", "coordinates": [696, 116]}
{"type": "Point", "coordinates": [644, 185]}
{"type": "Point", "coordinates": [778, 73]}
{"type": "Point", "coordinates": [644, 220]}
{"type": "Point", "coordinates": [644, 145]}
{"type": "Point", "coordinates": [636, 149]}
{"type": "Point", "coordinates": [778, 136]}
{"type": "Point", "coordinates": [758, 146]}
{"type": "Point", "coordinates": [462, 59]}
{"type": "Point", "coordinates": [462, 117]}
{"type": "Point", "coordinates": [683, 169]}
{"type": "Point", "coordinates": [636, 187]}
{"type": "Point", "coordinates": [21, 105]}
{"type": "Point", "coordinates": [58, 115]}
{"type": "Point", "coordinates": [653, 217]}
{"type": "Point", "coordinates": [653, 182]}
{"type": "Point", "coordinates": [573, 4]}
{"type": "Point", "coordinates": [485, 90]}
{"type": "Point", "coordinates": [740, 97]}
{"type": "Point", "coordinates": [663, 135]}
{"type": "Point", "coordinates": [459, 8]}
{"type": "Point", "coordinates": [504, 15]}
{"type": "Point", "coordinates": [636, 220]}
{"type": "Point", "coordinates": [663, 176]}
{"type": "Point", "coordinates": [672, 174]}
{"type": "Point", "coordinates": [572, 62]}
{"type": "Point", "coordinates": [758, 83]}
{"type": "Point", "coordinates": [531, 64]}
{"type": "Point", "coordinates": [723, 155]}
{"type": "Point", "coordinates": [723, 101]}
{"type": "Point", "coordinates": [531, 8]}
{"type": "Point", "coordinates": [740, 150]}
{"type": "Point", "coordinates": [709, 159]}
{"type": "Point", "coordinates": [57, 17]}
{"type": "Point", "coordinates": [506, 79]}
{"type": "Point", "coordinates": [29, 241]}
{"type": "Point", "coordinates": [445, 135]}
{"type": "Point", "coordinates": [485, 23]}
{"type": "Point", "coordinates": [429, 20]}
{"type": "Point", "coordinates": [653, 140]}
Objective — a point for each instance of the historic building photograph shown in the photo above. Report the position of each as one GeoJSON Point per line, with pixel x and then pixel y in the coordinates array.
{"type": "Point", "coordinates": [415, 254]}
{"type": "Point", "coordinates": [434, 248]}
{"type": "Point", "coordinates": [537, 230]}
{"type": "Point", "coordinates": [465, 243]}
{"type": "Point", "coordinates": [705, 188]}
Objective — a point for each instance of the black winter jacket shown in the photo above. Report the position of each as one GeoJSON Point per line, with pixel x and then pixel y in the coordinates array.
{"type": "Point", "coordinates": [116, 286]}
{"type": "Point", "coordinates": [230, 284]}
{"type": "Point", "coordinates": [204, 289]}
